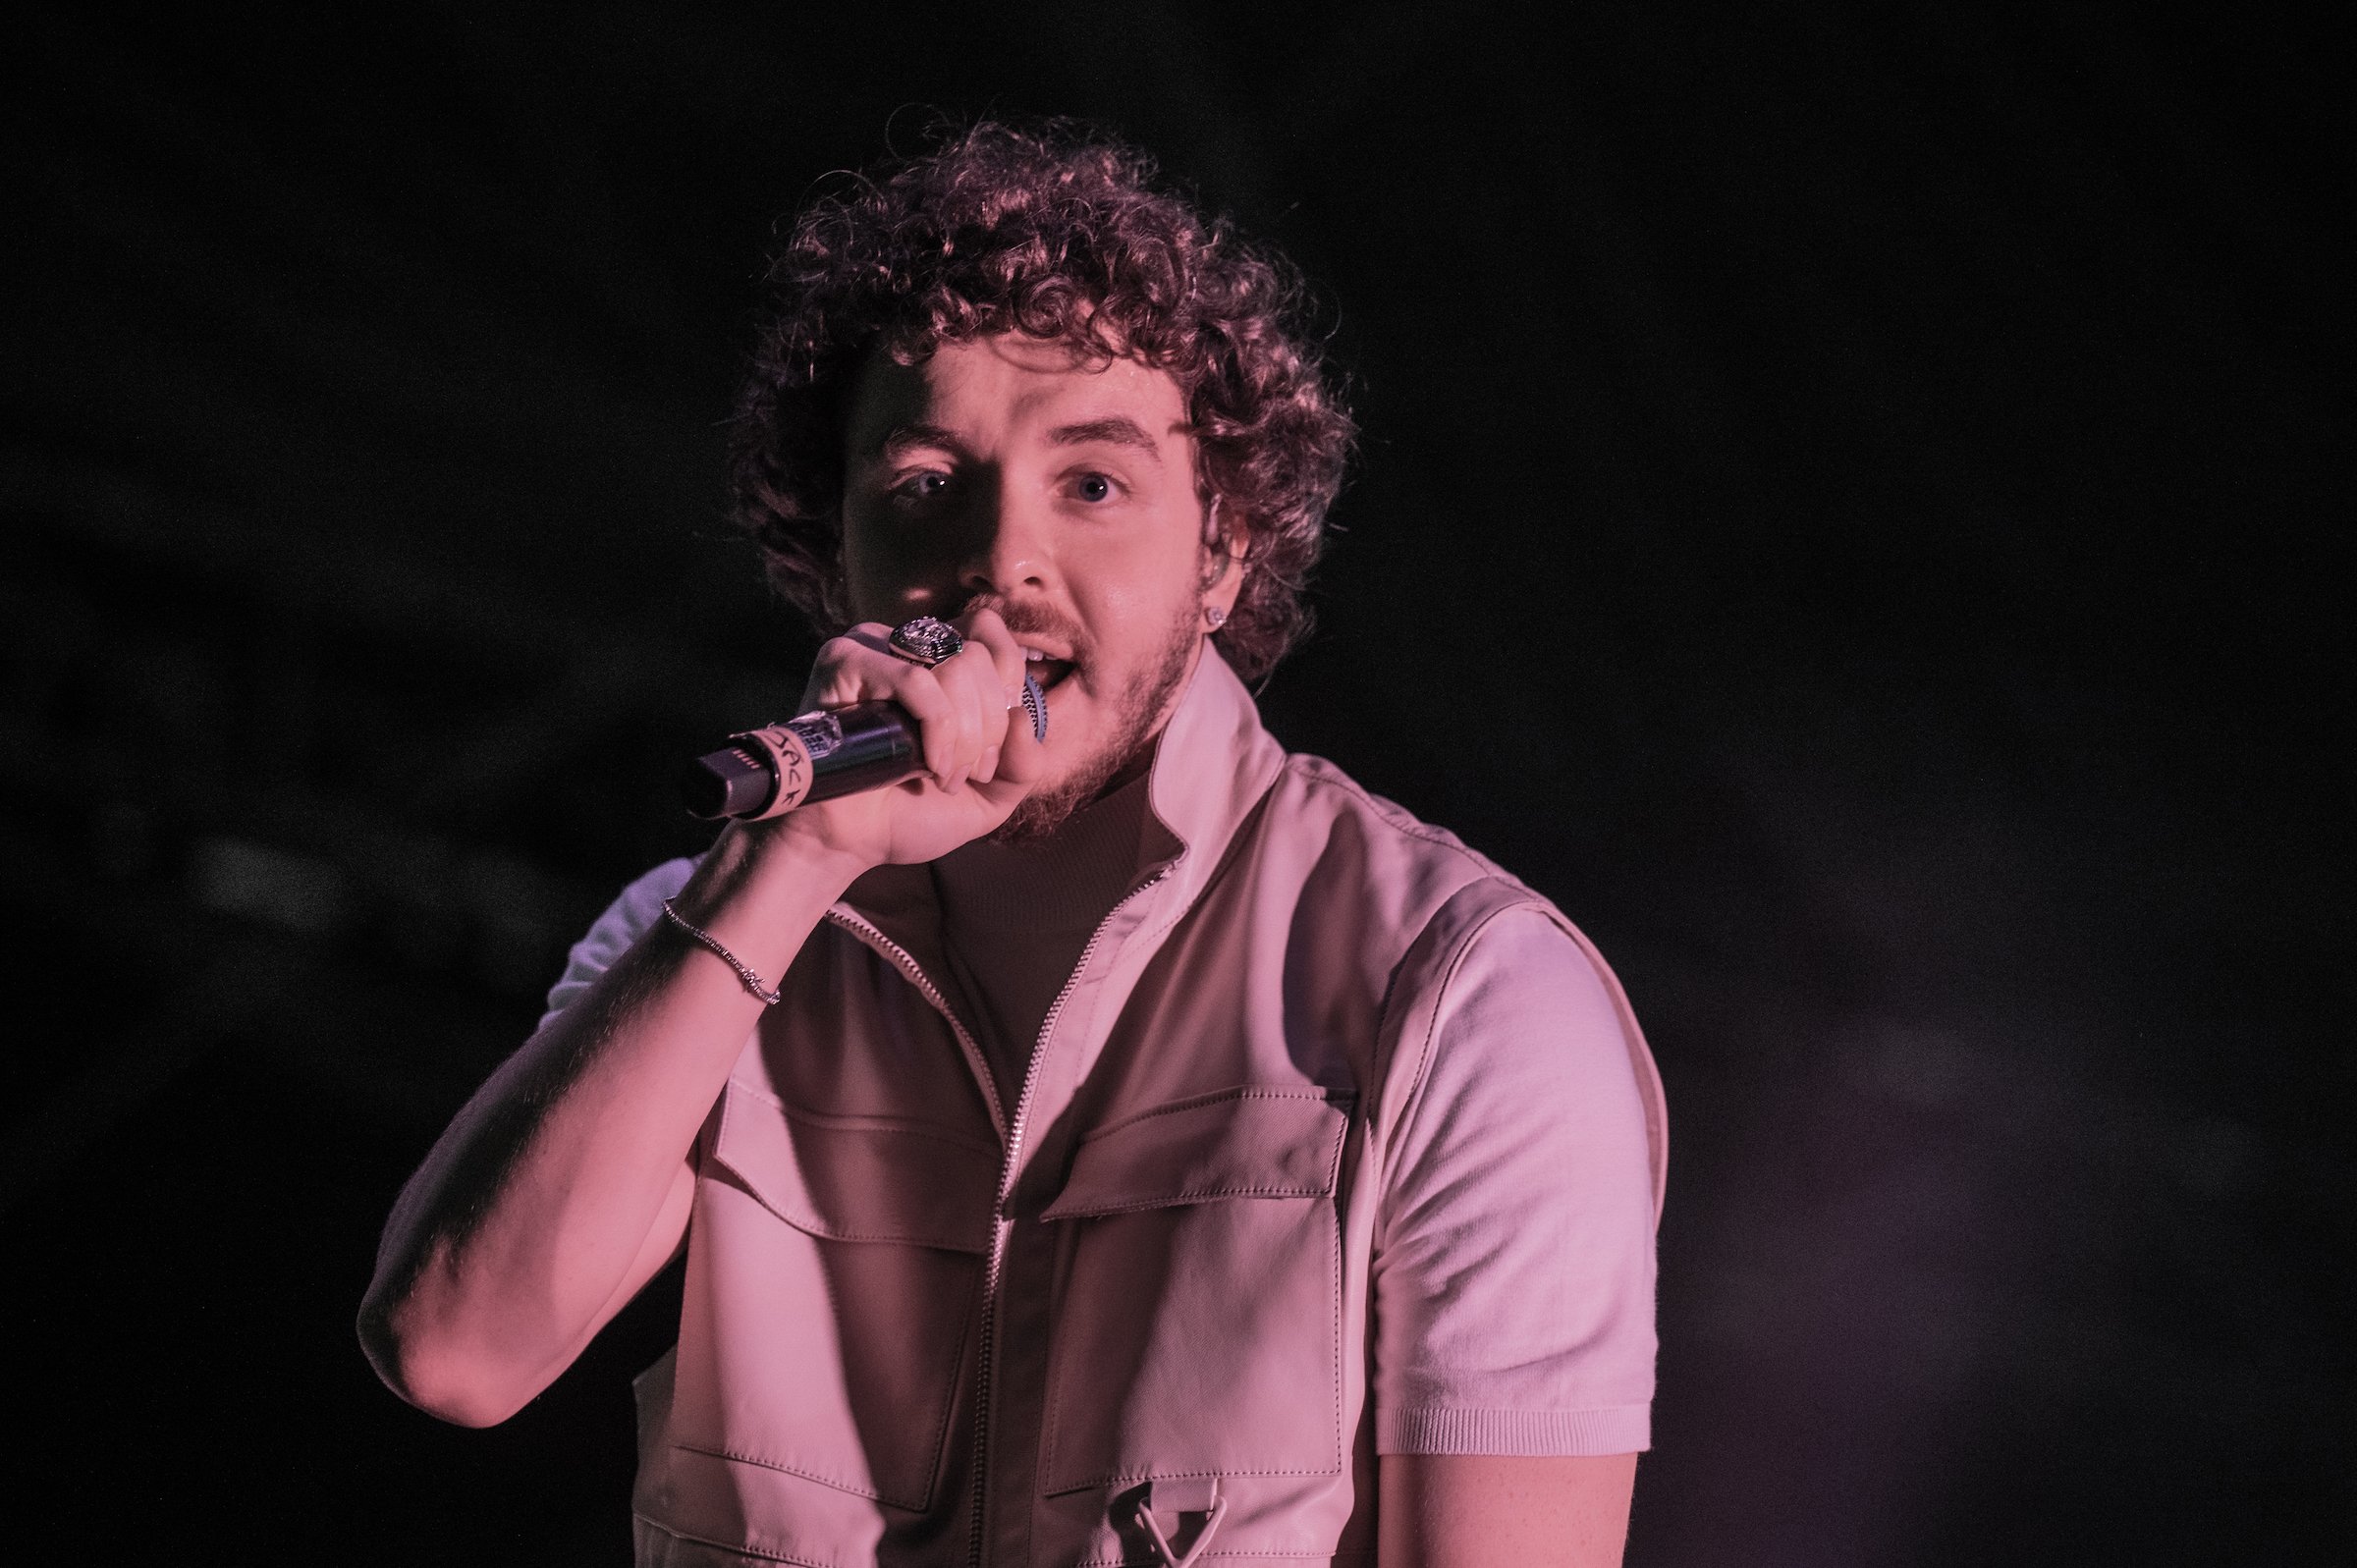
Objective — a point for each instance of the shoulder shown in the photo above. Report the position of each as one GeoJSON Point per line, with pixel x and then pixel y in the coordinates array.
{"type": "Point", "coordinates": [1348, 848]}
{"type": "Point", "coordinates": [1311, 792]}
{"type": "Point", "coordinates": [1486, 979]}
{"type": "Point", "coordinates": [1521, 1015]}
{"type": "Point", "coordinates": [1459, 918]}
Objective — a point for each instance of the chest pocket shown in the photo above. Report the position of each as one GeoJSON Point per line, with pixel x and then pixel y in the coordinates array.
{"type": "Point", "coordinates": [1196, 1324]}
{"type": "Point", "coordinates": [832, 1279]}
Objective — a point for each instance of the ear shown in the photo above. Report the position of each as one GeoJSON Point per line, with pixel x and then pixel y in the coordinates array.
{"type": "Point", "coordinates": [1224, 541]}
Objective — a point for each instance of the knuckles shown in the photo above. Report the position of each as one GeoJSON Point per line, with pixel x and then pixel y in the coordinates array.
{"type": "Point", "coordinates": [960, 702]}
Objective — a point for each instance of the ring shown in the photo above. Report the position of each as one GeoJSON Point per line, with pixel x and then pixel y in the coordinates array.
{"type": "Point", "coordinates": [927, 640]}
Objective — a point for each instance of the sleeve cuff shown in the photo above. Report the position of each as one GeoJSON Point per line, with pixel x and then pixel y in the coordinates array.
{"type": "Point", "coordinates": [1612, 1430]}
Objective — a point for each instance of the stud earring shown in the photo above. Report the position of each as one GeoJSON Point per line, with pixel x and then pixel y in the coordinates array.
{"type": "Point", "coordinates": [1213, 617]}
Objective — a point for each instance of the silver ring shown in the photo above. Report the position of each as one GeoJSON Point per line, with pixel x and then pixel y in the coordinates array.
{"type": "Point", "coordinates": [927, 640]}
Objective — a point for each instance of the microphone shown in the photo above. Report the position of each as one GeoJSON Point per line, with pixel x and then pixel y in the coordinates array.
{"type": "Point", "coordinates": [816, 756]}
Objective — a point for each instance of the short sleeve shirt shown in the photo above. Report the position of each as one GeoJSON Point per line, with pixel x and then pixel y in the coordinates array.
{"type": "Point", "coordinates": [1513, 1272]}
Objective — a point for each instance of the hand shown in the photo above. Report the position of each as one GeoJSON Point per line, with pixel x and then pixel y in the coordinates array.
{"type": "Point", "coordinates": [974, 738]}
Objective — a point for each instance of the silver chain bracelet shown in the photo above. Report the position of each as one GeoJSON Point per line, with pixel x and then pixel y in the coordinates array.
{"type": "Point", "coordinates": [752, 982]}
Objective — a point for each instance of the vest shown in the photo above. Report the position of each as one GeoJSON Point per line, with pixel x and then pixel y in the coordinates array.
{"type": "Point", "coordinates": [1126, 1318]}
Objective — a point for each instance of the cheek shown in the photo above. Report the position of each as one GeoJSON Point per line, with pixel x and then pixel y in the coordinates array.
{"type": "Point", "coordinates": [881, 578]}
{"type": "Point", "coordinates": [1137, 605]}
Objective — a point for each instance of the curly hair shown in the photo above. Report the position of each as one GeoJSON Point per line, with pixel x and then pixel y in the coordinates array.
{"type": "Point", "coordinates": [1054, 231]}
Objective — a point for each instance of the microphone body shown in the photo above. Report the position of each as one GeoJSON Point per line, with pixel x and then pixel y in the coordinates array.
{"type": "Point", "coordinates": [767, 772]}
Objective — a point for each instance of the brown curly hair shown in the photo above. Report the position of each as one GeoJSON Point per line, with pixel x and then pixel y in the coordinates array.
{"type": "Point", "coordinates": [1058, 231]}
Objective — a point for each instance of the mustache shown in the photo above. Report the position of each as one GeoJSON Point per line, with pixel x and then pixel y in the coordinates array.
{"type": "Point", "coordinates": [1032, 622]}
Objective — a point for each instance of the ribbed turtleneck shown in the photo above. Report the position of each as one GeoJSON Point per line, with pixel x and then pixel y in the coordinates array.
{"type": "Point", "coordinates": [1015, 916]}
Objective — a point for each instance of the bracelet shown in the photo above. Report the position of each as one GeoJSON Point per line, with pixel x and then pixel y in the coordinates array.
{"type": "Point", "coordinates": [752, 982]}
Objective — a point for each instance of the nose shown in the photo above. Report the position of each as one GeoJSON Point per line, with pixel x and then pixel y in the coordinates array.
{"type": "Point", "coordinates": [1008, 547]}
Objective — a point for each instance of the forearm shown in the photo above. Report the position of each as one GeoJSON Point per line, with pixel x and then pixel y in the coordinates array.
{"type": "Point", "coordinates": [561, 1186]}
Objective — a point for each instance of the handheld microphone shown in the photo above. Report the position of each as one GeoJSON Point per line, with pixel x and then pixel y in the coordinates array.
{"type": "Point", "coordinates": [816, 756]}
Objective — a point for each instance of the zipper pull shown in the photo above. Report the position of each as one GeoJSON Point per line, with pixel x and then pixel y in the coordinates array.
{"type": "Point", "coordinates": [1192, 1495]}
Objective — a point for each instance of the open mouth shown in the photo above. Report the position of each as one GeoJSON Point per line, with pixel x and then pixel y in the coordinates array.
{"type": "Point", "coordinates": [1044, 670]}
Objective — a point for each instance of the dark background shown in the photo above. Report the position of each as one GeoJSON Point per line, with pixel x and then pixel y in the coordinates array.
{"type": "Point", "coordinates": [1849, 508]}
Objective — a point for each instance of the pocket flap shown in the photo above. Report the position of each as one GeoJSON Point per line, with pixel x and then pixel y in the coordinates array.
{"type": "Point", "coordinates": [1279, 1141]}
{"type": "Point", "coordinates": [857, 1178]}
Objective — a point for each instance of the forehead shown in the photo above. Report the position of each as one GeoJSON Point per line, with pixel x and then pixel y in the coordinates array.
{"type": "Point", "coordinates": [1006, 388]}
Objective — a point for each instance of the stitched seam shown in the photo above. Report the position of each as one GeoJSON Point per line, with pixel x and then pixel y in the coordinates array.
{"type": "Point", "coordinates": [1051, 1417]}
{"type": "Point", "coordinates": [1334, 1157]}
{"type": "Point", "coordinates": [1211, 1098]}
{"type": "Point", "coordinates": [900, 1239]}
{"type": "Point", "coordinates": [948, 1401]}
{"type": "Point", "coordinates": [1055, 1400]}
{"type": "Point", "coordinates": [745, 1458]}
{"type": "Point", "coordinates": [1440, 999]}
{"type": "Point", "coordinates": [1193, 1195]}
{"type": "Point", "coordinates": [895, 1126]}
{"type": "Point", "coordinates": [933, 1475]}
{"type": "Point", "coordinates": [1334, 1218]}
{"type": "Point", "coordinates": [1392, 817]}
{"type": "Point", "coordinates": [1550, 1412]}
{"type": "Point", "coordinates": [742, 1549]}
{"type": "Point", "coordinates": [1352, 1554]}
{"type": "Point", "coordinates": [1412, 1098]}
{"type": "Point", "coordinates": [1120, 1477]}
{"type": "Point", "coordinates": [811, 1225]}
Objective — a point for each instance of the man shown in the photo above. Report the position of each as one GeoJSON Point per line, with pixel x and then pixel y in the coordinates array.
{"type": "Point", "coordinates": [1122, 1147]}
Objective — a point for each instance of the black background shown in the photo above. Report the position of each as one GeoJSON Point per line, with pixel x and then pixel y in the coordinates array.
{"type": "Point", "coordinates": [1849, 511]}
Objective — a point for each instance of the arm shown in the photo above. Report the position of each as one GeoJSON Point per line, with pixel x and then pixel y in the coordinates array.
{"type": "Point", "coordinates": [565, 1183]}
{"type": "Point", "coordinates": [1474, 1510]}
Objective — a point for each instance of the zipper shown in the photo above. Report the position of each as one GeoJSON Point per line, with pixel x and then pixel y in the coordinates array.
{"type": "Point", "coordinates": [1011, 1133]}
{"type": "Point", "coordinates": [907, 965]}
{"type": "Point", "coordinates": [1002, 1225]}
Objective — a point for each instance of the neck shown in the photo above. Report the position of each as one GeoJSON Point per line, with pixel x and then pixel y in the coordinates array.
{"type": "Point", "coordinates": [1069, 876]}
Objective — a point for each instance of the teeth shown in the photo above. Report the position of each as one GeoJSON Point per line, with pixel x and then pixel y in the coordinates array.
{"type": "Point", "coordinates": [1033, 655]}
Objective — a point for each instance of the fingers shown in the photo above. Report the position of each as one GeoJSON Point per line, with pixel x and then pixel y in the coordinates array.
{"type": "Point", "coordinates": [959, 704]}
{"type": "Point", "coordinates": [988, 640]}
{"type": "Point", "coordinates": [984, 626]}
{"type": "Point", "coordinates": [977, 708]}
{"type": "Point", "coordinates": [1022, 756]}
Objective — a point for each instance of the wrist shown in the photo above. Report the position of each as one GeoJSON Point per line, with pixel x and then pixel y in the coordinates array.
{"type": "Point", "coordinates": [767, 873]}
{"type": "Point", "coordinates": [794, 851]}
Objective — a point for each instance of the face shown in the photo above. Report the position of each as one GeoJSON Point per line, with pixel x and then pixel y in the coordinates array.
{"type": "Point", "coordinates": [1010, 473]}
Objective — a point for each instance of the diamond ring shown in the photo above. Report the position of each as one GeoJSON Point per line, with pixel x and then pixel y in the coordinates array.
{"type": "Point", "coordinates": [927, 640]}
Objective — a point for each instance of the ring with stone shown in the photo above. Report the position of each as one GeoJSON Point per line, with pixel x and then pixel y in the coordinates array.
{"type": "Point", "coordinates": [927, 640]}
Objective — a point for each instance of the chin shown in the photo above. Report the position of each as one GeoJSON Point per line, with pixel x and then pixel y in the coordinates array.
{"type": "Point", "coordinates": [1050, 805]}
{"type": "Point", "coordinates": [1038, 817]}
{"type": "Point", "coordinates": [1136, 719]}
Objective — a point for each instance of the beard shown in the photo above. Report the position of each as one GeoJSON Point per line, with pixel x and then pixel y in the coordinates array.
{"type": "Point", "coordinates": [1137, 720]}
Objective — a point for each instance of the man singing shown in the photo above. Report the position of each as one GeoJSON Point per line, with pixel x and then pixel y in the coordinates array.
{"type": "Point", "coordinates": [1132, 1146]}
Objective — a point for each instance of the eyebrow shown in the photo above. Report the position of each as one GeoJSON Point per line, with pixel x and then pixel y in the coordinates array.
{"type": "Point", "coordinates": [901, 437]}
{"type": "Point", "coordinates": [1115, 430]}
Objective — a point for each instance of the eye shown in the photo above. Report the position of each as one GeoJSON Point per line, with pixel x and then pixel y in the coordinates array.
{"type": "Point", "coordinates": [1093, 488]}
{"type": "Point", "coordinates": [926, 484]}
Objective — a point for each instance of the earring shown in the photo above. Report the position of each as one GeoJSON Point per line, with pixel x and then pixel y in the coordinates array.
{"type": "Point", "coordinates": [1213, 617]}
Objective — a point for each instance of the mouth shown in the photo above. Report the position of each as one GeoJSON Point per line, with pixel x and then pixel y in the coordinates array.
{"type": "Point", "coordinates": [1048, 670]}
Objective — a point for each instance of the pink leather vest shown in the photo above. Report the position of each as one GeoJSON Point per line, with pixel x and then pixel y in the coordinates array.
{"type": "Point", "coordinates": [923, 1327]}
